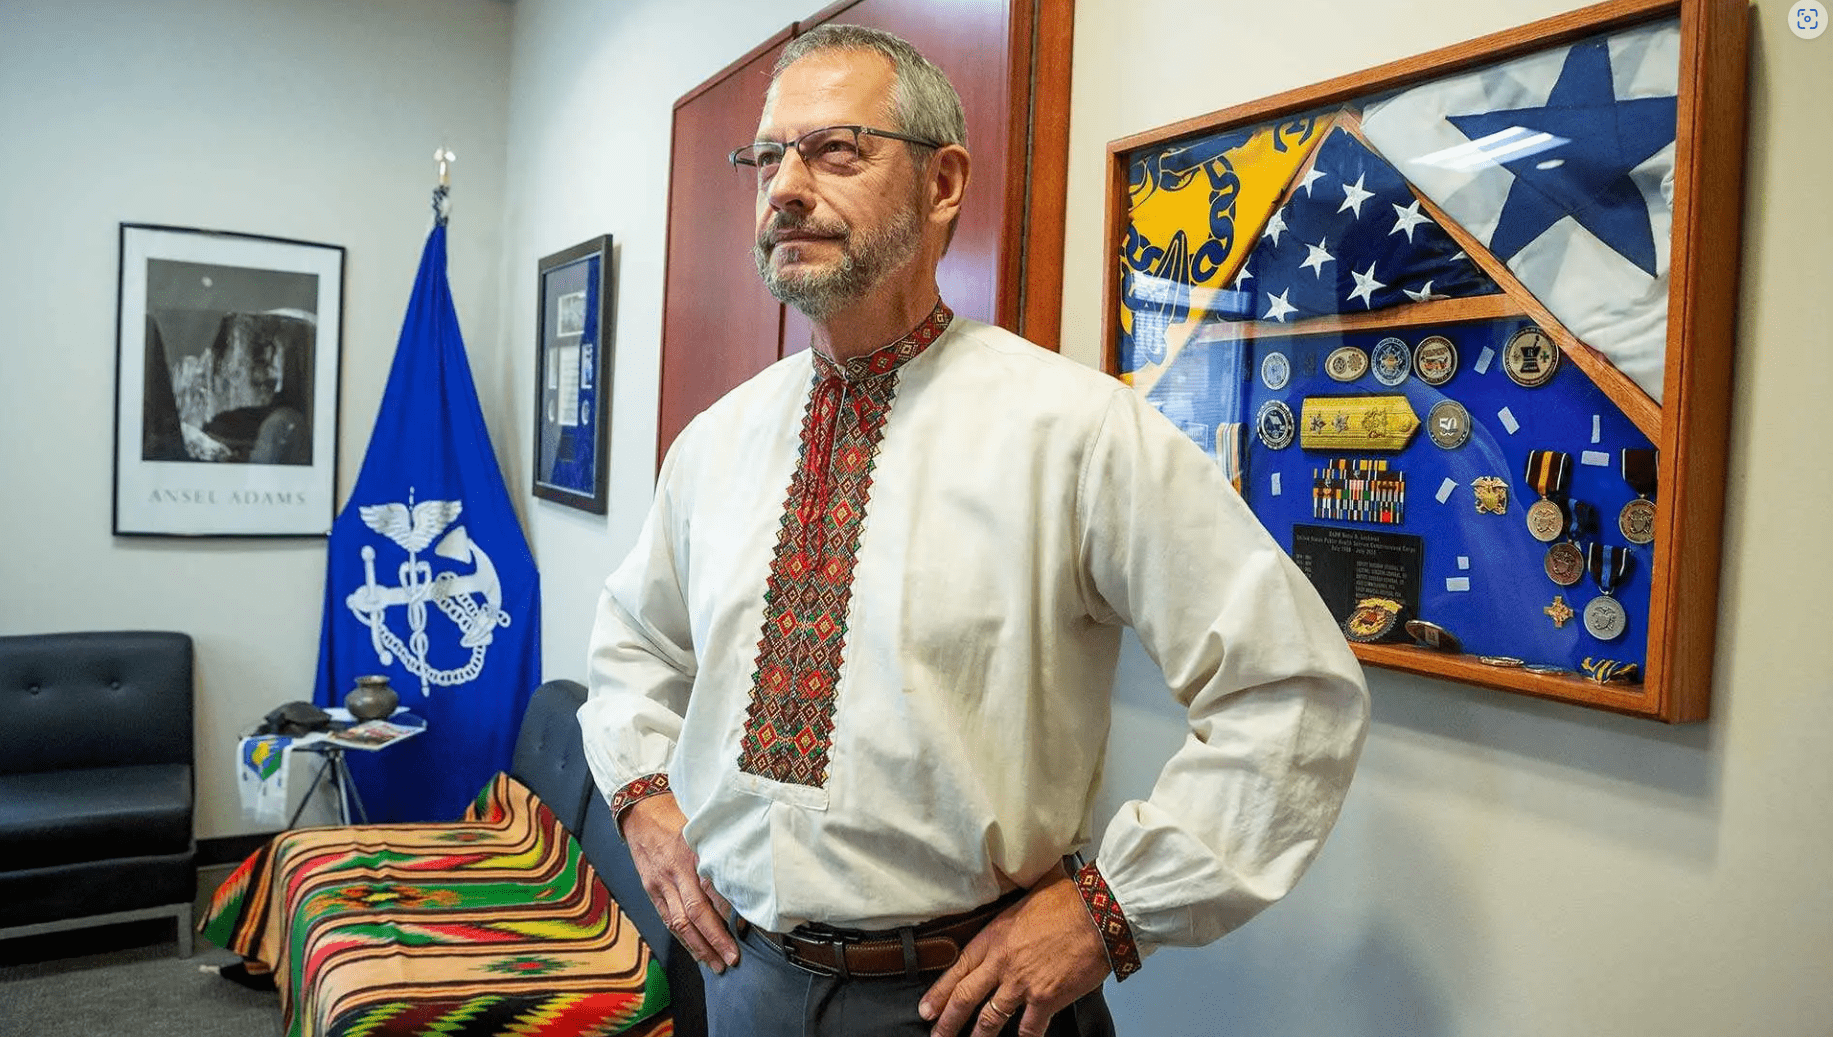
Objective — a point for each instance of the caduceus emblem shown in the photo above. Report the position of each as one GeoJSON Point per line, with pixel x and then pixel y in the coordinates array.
{"type": "Point", "coordinates": [413, 527]}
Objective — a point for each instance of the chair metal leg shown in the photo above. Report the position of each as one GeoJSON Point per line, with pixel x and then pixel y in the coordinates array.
{"type": "Point", "coordinates": [184, 930]}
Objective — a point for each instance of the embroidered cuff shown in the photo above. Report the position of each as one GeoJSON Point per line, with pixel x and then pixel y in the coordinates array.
{"type": "Point", "coordinates": [1104, 911]}
{"type": "Point", "coordinates": [642, 788]}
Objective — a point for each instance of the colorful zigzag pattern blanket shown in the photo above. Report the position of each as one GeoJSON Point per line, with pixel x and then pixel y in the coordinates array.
{"type": "Point", "coordinates": [486, 927]}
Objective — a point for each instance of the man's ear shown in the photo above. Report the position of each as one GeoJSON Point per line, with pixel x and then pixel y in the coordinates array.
{"type": "Point", "coordinates": [948, 175]}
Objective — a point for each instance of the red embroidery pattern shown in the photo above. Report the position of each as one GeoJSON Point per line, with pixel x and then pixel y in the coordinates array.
{"type": "Point", "coordinates": [641, 788]}
{"type": "Point", "coordinates": [1104, 911]}
{"type": "Point", "coordinates": [789, 725]}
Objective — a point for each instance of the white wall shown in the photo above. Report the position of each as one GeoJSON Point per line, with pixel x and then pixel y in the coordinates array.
{"type": "Point", "coordinates": [590, 116]}
{"type": "Point", "coordinates": [306, 119]}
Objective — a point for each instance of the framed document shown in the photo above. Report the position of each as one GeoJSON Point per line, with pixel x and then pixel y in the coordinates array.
{"type": "Point", "coordinates": [1458, 328]}
{"type": "Point", "coordinates": [573, 351]}
{"type": "Point", "coordinates": [228, 348]}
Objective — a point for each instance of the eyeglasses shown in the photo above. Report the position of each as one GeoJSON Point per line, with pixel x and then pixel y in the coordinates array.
{"type": "Point", "coordinates": [830, 149]}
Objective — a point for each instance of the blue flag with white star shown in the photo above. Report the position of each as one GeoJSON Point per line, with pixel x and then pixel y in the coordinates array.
{"type": "Point", "coordinates": [1562, 164]}
{"type": "Point", "coordinates": [1352, 238]}
{"type": "Point", "coordinates": [429, 579]}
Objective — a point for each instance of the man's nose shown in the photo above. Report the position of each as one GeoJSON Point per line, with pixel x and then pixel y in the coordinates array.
{"type": "Point", "coordinates": [793, 186]}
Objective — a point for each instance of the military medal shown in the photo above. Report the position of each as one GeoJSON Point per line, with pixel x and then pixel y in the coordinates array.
{"type": "Point", "coordinates": [1373, 619]}
{"type": "Point", "coordinates": [1530, 358]}
{"type": "Point", "coordinates": [1346, 364]}
{"type": "Point", "coordinates": [1433, 636]}
{"type": "Point", "coordinates": [1637, 519]}
{"type": "Point", "coordinates": [1559, 612]}
{"type": "Point", "coordinates": [1360, 423]}
{"type": "Point", "coordinates": [1605, 617]}
{"type": "Point", "coordinates": [1435, 360]}
{"type": "Point", "coordinates": [1448, 423]}
{"type": "Point", "coordinates": [1547, 472]}
{"type": "Point", "coordinates": [1492, 495]}
{"type": "Point", "coordinates": [1391, 361]}
{"type": "Point", "coordinates": [1274, 425]}
{"type": "Point", "coordinates": [1565, 562]}
{"type": "Point", "coordinates": [1275, 370]}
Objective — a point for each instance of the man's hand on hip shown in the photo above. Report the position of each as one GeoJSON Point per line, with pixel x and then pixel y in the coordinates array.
{"type": "Point", "coordinates": [1035, 958]}
{"type": "Point", "coordinates": [691, 908]}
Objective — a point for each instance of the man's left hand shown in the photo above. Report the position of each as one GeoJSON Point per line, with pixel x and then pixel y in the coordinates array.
{"type": "Point", "coordinates": [1035, 958]}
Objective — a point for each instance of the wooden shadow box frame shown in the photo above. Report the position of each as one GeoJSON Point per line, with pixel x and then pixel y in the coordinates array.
{"type": "Point", "coordinates": [1687, 429]}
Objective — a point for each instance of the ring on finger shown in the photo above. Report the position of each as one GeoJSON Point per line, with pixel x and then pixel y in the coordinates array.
{"type": "Point", "coordinates": [1003, 1013]}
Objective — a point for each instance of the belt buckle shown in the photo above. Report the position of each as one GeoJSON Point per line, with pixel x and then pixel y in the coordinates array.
{"type": "Point", "coordinates": [827, 936]}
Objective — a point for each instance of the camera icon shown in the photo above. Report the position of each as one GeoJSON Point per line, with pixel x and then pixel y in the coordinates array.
{"type": "Point", "coordinates": [1807, 19]}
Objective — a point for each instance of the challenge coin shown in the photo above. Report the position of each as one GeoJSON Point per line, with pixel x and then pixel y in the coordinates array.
{"type": "Point", "coordinates": [1530, 358]}
{"type": "Point", "coordinates": [1546, 520]}
{"type": "Point", "coordinates": [1605, 618]}
{"type": "Point", "coordinates": [1434, 636]}
{"type": "Point", "coordinates": [1505, 661]}
{"type": "Point", "coordinates": [1547, 670]}
{"type": "Point", "coordinates": [1448, 423]}
{"type": "Point", "coordinates": [1637, 521]}
{"type": "Point", "coordinates": [1435, 360]}
{"type": "Point", "coordinates": [1346, 364]}
{"type": "Point", "coordinates": [1274, 425]}
{"type": "Point", "coordinates": [1391, 361]}
{"type": "Point", "coordinates": [1275, 370]}
{"type": "Point", "coordinates": [1565, 564]}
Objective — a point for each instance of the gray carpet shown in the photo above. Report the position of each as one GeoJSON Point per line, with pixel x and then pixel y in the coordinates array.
{"type": "Point", "coordinates": [146, 991]}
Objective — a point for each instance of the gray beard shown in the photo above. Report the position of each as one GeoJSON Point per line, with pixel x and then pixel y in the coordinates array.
{"type": "Point", "coordinates": [864, 262]}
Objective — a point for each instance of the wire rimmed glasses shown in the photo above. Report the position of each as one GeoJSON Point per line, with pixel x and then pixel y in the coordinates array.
{"type": "Point", "coordinates": [832, 150]}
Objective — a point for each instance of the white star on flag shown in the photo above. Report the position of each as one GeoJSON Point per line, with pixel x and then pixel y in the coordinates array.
{"type": "Point", "coordinates": [1278, 307]}
{"type": "Point", "coordinates": [1243, 277]}
{"type": "Point", "coordinates": [1316, 257]}
{"type": "Point", "coordinates": [1405, 219]}
{"type": "Point", "coordinates": [1274, 226]}
{"type": "Point", "coordinates": [1310, 175]}
{"type": "Point", "coordinates": [1424, 294]}
{"type": "Point", "coordinates": [1353, 196]}
{"type": "Point", "coordinates": [1365, 286]}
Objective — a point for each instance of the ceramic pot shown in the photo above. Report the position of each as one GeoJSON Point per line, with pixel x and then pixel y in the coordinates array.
{"type": "Point", "coordinates": [372, 698]}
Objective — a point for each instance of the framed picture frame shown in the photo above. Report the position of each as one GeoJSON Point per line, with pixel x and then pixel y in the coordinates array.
{"type": "Point", "coordinates": [573, 365]}
{"type": "Point", "coordinates": [1459, 328]}
{"type": "Point", "coordinates": [229, 348]}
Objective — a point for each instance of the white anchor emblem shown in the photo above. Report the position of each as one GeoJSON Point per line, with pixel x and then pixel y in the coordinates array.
{"type": "Point", "coordinates": [413, 527]}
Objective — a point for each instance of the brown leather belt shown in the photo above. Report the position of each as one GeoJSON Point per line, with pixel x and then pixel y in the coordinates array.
{"type": "Point", "coordinates": [909, 951]}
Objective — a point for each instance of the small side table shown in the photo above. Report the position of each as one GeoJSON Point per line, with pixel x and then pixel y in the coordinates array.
{"type": "Point", "coordinates": [333, 773]}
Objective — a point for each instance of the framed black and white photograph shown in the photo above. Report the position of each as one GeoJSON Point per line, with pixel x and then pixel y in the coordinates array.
{"type": "Point", "coordinates": [228, 349]}
{"type": "Point", "coordinates": [573, 376]}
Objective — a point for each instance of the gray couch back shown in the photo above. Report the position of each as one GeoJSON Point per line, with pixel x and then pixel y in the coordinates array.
{"type": "Point", "coordinates": [94, 699]}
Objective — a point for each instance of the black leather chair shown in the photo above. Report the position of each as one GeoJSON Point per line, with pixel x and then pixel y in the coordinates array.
{"type": "Point", "coordinates": [96, 781]}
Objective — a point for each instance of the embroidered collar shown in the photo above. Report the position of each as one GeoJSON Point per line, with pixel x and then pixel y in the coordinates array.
{"type": "Point", "coordinates": [891, 357]}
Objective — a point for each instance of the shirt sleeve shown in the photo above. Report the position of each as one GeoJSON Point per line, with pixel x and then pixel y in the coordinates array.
{"type": "Point", "coordinates": [641, 664]}
{"type": "Point", "coordinates": [1276, 703]}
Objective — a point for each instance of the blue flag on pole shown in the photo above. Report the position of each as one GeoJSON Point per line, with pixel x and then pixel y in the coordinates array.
{"type": "Point", "coordinates": [429, 578]}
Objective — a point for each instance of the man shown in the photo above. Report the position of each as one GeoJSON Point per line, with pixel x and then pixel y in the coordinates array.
{"type": "Point", "coordinates": [850, 690]}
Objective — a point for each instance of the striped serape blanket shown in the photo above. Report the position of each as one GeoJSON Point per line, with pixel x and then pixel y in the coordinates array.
{"type": "Point", "coordinates": [492, 926]}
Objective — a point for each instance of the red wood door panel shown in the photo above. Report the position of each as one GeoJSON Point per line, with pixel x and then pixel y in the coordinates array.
{"type": "Point", "coordinates": [719, 325]}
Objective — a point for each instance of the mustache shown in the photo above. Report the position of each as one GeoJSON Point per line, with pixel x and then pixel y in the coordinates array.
{"type": "Point", "coordinates": [784, 222]}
